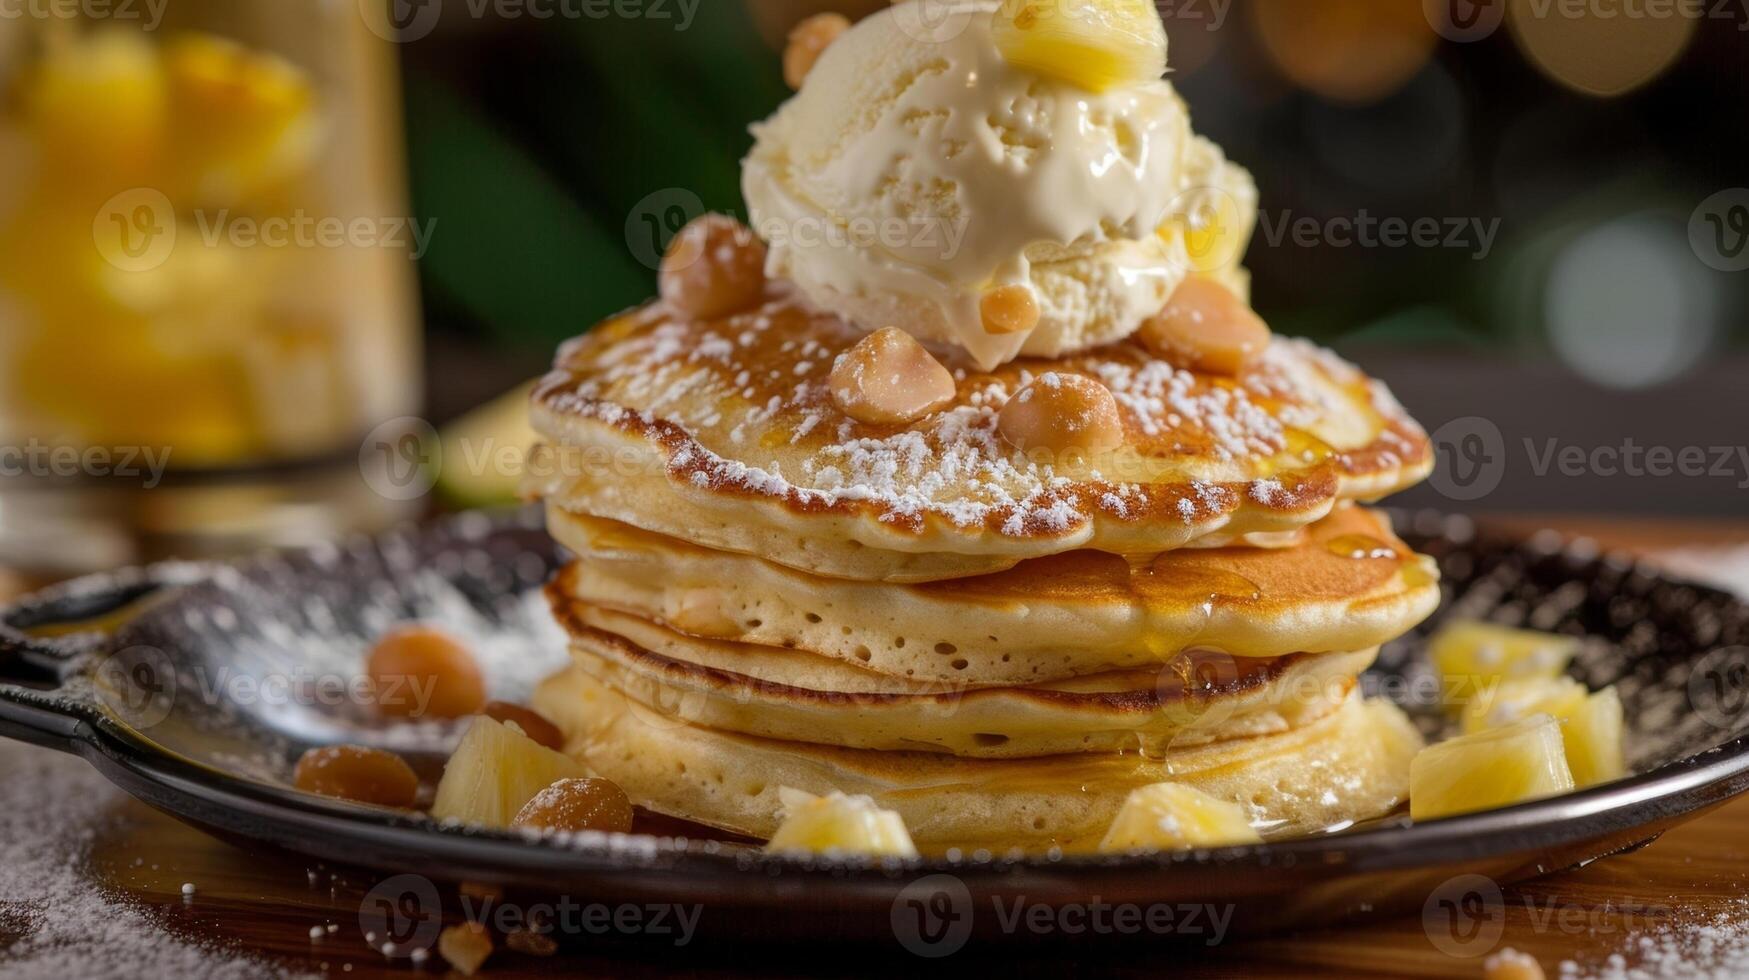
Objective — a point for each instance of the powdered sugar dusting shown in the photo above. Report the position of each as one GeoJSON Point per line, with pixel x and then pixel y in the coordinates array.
{"type": "Point", "coordinates": [66, 924]}
{"type": "Point", "coordinates": [1266, 491]}
{"type": "Point", "coordinates": [1712, 947]}
{"type": "Point", "coordinates": [750, 396]}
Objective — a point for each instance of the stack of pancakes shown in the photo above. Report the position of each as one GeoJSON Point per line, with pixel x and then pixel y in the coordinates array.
{"type": "Point", "coordinates": [768, 593]}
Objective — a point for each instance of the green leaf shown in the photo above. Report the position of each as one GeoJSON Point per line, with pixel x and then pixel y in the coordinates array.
{"type": "Point", "coordinates": [511, 245]}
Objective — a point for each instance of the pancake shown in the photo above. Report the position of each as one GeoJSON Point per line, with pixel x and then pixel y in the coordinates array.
{"type": "Point", "coordinates": [1349, 585]}
{"type": "Point", "coordinates": [723, 433]}
{"type": "Point", "coordinates": [775, 693]}
{"type": "Point", "coordinates": [1351, 765]}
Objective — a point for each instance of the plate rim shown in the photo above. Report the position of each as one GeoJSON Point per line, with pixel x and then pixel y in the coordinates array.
{"type": "Point", "coordinates": [199, 792]}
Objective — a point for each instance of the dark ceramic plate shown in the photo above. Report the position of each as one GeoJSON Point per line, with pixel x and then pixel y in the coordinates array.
{"type": "Point", "coordinates": [196, 686]}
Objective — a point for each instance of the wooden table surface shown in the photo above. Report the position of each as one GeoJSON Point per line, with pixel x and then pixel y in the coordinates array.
{"type": "Point", "coordinates": [265, 904]}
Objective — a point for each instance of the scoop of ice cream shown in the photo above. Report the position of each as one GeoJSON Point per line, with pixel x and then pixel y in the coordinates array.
{"type": "Point", "coordinates": [918, 169]}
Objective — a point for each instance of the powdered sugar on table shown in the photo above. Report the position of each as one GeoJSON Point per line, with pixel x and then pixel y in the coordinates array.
{"type": "Point", "coordinates": [62, 924]}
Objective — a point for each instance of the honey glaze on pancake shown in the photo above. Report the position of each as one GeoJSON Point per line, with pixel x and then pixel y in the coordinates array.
{"type": "Point", "coordinates": [741, 408]}
{"type": "Point", "coordinates": [773, 693]}
{"type": "Point", "coordinates": [1094, 773]}
{"type": "Point", "coordinates": [1045, 620]}
{"type": "Point", "coordinates": [1194, 675]}
{"type": "Point", "coordinates": [1349, 553]}
{"type": "Point", "coordinates": [1352, 552]}
{"type": "Point", "coordinates": [1347, 766]}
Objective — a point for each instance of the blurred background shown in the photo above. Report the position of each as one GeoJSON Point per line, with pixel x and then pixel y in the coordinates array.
{"type": "Point", "coordinates": [289, 248]}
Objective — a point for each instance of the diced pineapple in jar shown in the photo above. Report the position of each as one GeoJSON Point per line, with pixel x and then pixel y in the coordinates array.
{"type": "Point", "coordinates": [242, 119]}
{"type": "Point", "coordinates": [1499, 767]}
{"type": "Point", "coordinates": [98, 103]}
{"type": "Point", "coordinates": [1095, 44]}
{"type": "Point", "coordinates": [1167, 816]}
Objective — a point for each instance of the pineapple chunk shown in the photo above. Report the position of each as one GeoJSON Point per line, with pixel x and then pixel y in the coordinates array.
{"type": "Point", "coordinates": [484, 451]}
{"type": "Point", "coordinates": [242, 119]}
{"type": "Point", "coordinates": [1593, 733]}
{"type": "Point", "coordinates": [1591, 724]}
{"type": "Point", "coordinates": [1096, 44]}
{"type": "Point", "coordinates": [1474, 657]}
{"type": "Point", "coordinates": [839, 824]}
{"type": "Point", "coordinates": [1510, 701]}
{"type": "Point", "coordinates": [1523, 761]}
{"type": "Point", "coordinates": [495, 771]}
{"type": "Point", "coordinates": [1165, 816]}
{"type": "Point", "coordinates": [99, 105]}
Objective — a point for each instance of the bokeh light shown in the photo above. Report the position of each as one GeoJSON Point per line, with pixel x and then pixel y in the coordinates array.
{"type": "Point", "coordinates": [1348, 50]}
{"type": "Point", "coordinates": [1627, 306]}
{"type": "Point", "coordinates": [1606, 49]}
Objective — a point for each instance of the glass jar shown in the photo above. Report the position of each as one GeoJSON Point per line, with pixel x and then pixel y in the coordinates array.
{"type": "Point", "coordinates": [206, 276]}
